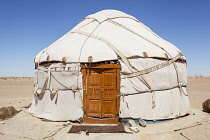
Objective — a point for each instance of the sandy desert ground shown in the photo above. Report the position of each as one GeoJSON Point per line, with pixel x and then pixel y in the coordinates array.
{"type": "Point", "coordinates": [18, 92]}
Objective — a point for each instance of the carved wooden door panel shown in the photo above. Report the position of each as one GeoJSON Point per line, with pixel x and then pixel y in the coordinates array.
{"type": "Point", "coordinates": [94, 90]}
{"type": "Point", "coordinates": [108, 97]}
{"type": "Point", "coordinates": [101, 93]}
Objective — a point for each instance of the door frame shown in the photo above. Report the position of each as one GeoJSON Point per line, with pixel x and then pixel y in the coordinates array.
{"type": "Point", "coordinates": [91, 120]}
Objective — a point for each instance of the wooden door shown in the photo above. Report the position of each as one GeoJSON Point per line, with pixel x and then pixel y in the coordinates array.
{"type": "Point", "coordinates": [102, 88]}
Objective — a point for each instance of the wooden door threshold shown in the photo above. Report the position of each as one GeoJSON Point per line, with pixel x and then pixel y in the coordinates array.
{"type": "Point", "coordinates": [89, 120]}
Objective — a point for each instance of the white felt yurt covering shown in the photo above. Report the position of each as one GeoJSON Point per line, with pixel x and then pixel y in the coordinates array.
{"type": "Point", "coordinates": [153, 71]}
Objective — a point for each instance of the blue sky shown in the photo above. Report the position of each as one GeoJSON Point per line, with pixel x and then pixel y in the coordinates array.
{"type": "Point", "coordinates": [28, 26]}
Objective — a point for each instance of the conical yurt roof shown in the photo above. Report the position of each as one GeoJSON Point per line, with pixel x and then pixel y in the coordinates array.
{"type": "Point", "coordinates": [107, 35]}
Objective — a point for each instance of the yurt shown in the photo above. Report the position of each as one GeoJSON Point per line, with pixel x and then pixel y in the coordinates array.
{"type": "Point", "coordinates": [110, 66]}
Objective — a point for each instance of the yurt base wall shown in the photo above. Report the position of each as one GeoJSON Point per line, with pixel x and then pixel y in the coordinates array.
{"type": "Point", "coordinates": [168, 104]}
{"type": "Point", "coordinates": [58, 92]}
{"type": "Point", "coordinates": [65, 105]}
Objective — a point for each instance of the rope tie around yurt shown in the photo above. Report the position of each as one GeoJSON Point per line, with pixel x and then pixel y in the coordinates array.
{"type": "Point", "coordinates": [153, 99]}
{"type": "Point", "coordinates": [146, 91]}
{"type": "Point", "coordinates": [36, 93]}
{"type": "Point", "coordinates": [153, 68]}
